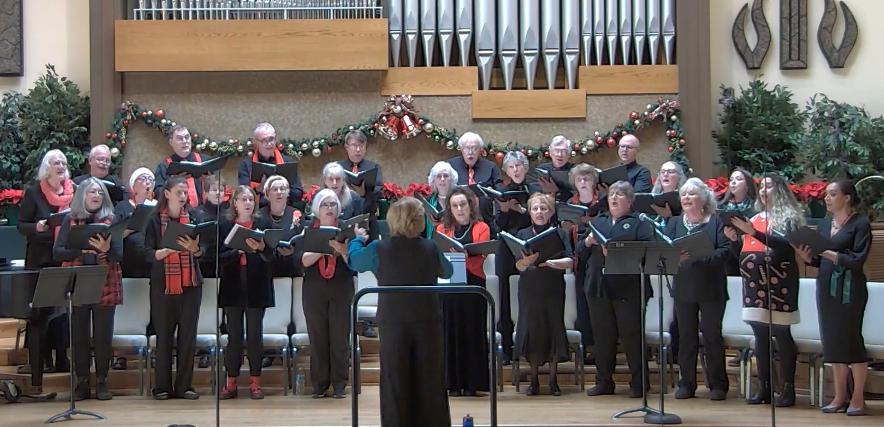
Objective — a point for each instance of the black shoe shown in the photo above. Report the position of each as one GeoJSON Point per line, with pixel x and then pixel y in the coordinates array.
{"type": "Point", "coordinates": [635, 393]}
{"type": "Point", "coordinates": [589, 360]}
{"type": "Point", "coordinates": [370, 332]}
{"type": "Point", "coordinates": [762, 396]}
{"type": "Point", "coordinates": [120, 364]}
{"type": "Point", "coordinates": [102, 391]}
{"type": "Point", "coordinates": [473, 393]}
{"type": "Point", "coordinates": [684, 393]}
{"type": "Point", "coordinates": [82, 392]}
{"type": "Point", "coordinates": [787, 397]}
{"type": "Point", "coordinates": [266, 362]}
{"type": "Point", "coordinates": [62, 365]}
{"type": "Point", "coordinates": [161, 395]}
{"type": "Point", "coordinates": [190, 395]}
{"type": "Point", "coordinates": [204, 362]}
{"type": "Point", "coordinates": [717, 394]}
{"type": "Point", "coordinates": [600, 389]}
{"type": "Point", "coordinates": [554, 389]}
{"type": "Point", "coordinates": [339, 393]}
{"type": "Point", "coordinates": [24, 369]}
{"type": "Point", "coordinates": [455, 393]}
{"type": "Point", "coordinates": [319, 395]}
{"type": "Point", "coordinates": [506, 360]}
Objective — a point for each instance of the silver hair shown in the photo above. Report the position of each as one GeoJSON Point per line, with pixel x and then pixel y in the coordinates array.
{"type": "Point", "coordinates": [709, 203]}
{"type": "Point", "coordinates": [438, 168]}
{"type": "Point", "coordinates": [78, 202]}
{"type": "Point", "coordinates": [623, 187]}
{"type": "Point", "coordinates": [333, 169]}
{"type": "Point", "coordinates": [95, 149]}
{"type": "Point", "coordinates": [560, 140]}
{"type": "Point", "coordinates": [515, 156]}
{"type": "Point", "coordinates": [46, 163]}
{"type": "Point", "coordinates": [469, 137]}
{"type": "Point", "coordinates": [321, 196]}
{"type": "Point", "coordinates": [658, 186]}
{"type": "Point", "coordinates": [264, 126]}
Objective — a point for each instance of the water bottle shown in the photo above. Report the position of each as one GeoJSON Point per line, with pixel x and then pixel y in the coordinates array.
{"type": "Point", "coordinates": [468, 421]}
{"type": "Point", "coordinates": [299, 382]}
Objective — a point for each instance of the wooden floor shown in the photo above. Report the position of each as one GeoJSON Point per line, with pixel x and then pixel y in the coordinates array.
{"type": "Point", "coordinates": [573, 408]}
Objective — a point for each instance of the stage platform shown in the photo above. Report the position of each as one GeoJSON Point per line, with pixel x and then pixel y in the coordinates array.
{"type": "Point", "coordinates": [573, 408]}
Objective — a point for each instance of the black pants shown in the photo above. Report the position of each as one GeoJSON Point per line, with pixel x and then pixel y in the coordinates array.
{"type": "Point", "coordinates": [413, 375]}
{"type": "Point", "coordinates": [613, 318]}
{"type": "Point", "coordinates": [583, 322]}
{"type": "Point", "coordinates": [254, 318]}
{"type": "Point", "coordinates": [93, 327]}
{"type": "Point", "coordinates": [41, 342]}
{"type": "Point", "coordinates": [705, 317]}
{"type": "Point", "coordinates": [785, 347]}
{"type": "Point", "coordinates": [170, 313]}
{"type": "Point", "coordinates": [328, 327]}
{"type": "Point", "coordinates": [505, 266]}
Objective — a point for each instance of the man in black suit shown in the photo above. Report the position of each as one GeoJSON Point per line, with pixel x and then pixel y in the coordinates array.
{"type": "Point", "coordinates": [99, 167]}
{"type": "Point", "coordinates": [356, 143]}
{"type": "Point", "coordinates": [560, 156]}
{"type": "Point", "coordinates": [267, 150]}
{"type": "Point", "coordinates": [472, 169]}
{"type": "Point", "coordinates": [639, 176]}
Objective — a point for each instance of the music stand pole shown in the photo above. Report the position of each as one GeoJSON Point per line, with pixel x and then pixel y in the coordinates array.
{"type": "Point", "coordinates": [661, 417]}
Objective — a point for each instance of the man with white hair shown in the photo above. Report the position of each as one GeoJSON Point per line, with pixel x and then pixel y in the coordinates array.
{"type": "Point", "coordinates": [182, 150]}
{"type": "Point", "coordinates": [639, 176]}
{"type": "Point", "coordinates": [559, 156]}
{"type": "Point", "coordinates": [267, 150]}
{"type": "Point", "coordinates": [472, 169]}
{"type": "Point", "coordinates": [99, 167]}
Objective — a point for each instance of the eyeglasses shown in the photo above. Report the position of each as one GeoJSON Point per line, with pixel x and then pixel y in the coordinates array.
{"type": "Point", "coordinates": [559, 151]}
{"type": "Point", "coordinates": [668, 172]}
{"type": "Point", "coordinates": [268, 140]}
{"type": "Point", "coordinates": [95, 192]}
{"type": "Point", "coordinates": [278, 189]}
{"type": "Point", "coordinates": [145, 179]}
{"type": "Point", "coordinates": [628, 147]}
{"type": "Point", "coordinates": [103, 160]}
{"type": "Point", "coordinates": [470, 149]}
{"type": "Point", "coordinates": [328, 205]}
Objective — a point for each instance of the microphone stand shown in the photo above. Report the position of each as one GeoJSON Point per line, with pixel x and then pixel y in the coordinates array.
{"type": "Point", "coordinates": [661, 417]}
{"type": "Point", "coordinates": [218, 371]}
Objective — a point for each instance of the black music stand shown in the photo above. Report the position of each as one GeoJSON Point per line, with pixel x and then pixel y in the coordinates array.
{"type": "Point", "coordinates": [629, 258]}
{"type": "Point", "coordinates": [68, 287]}
{"type": "Point", "coordinates": [663, 258]}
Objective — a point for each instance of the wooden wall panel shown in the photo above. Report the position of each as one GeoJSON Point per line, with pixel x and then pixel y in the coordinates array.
{"type": "Point", "coordinates": [339, 44]}
{"type": "Point", "coordinates": [629, 79]}
{"type": "Point", "coordinates": [444, 81]}
{"type": "Point", "coordinates": [529, 104]}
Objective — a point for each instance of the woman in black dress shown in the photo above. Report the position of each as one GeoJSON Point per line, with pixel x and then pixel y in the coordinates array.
{"type": "Point", "coordinates": [842, 294]}
{"type": "Point", "coordinates": [328, 290]}
{"type": "Point", "coordinates": [412, 367]}
{"type": "Point", "coordinates": [280, 215]}
{"type": "Point", "coordinates": [540, 331]}
{"type": "Point", "coordinates": [615, 303]}
{"type": "Point", "coordinates": [466, 346]}
{"type": "Point", "coordinates": [140, 192]}
{"type": "Point", "coordinates": [700, 292]}
{"type": "Point", "coordinates": [246, 291]}
{"type": "Point", "coordinates": [739, 198]}
{"type": "Point", "coordinates": [764, 253]}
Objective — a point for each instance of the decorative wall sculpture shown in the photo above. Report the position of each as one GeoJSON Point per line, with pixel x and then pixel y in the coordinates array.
{"type": "Point", "coordinates": [752, 57]}
{"type": "Point", "coordinates": [837, 57]}
{"type": "Point", "coordinates": [793, 34]}
{"type": "Point", "coordinates": [10, 38]}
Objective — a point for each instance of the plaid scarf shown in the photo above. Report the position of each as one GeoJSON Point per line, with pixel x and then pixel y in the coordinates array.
{"type": "Point", "coordinates": [112, 293]}
{"type": "Point", "coordinates": [178, 266]}
{"type": "Point", "coordinates": [192, 198]}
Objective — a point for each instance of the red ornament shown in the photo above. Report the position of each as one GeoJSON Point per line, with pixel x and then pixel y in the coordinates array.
{"type": "Point", "coordinates": [546, 154]}
{"type": "Point", "coordinates": [108, 135]}
{"type": "Point", "coordinates": [598, 140]}
{"type": "Point", "coordinates": [670, 148]}
{"type": "Point", "coordinates": [611, 142]}
{"type": "Point", "coordinates": [126, 122]}
{"type": "Point", "coordinates": [280, 147]}
{"type": "Point", "coordinates": [113, 136]}
{"type": "Point", "coordinates": [144, 114]}
{"type": "Point", "coordinates": [499, 156]}
{"type": "Point", "coordinates": [195, 135]}
{"type": "Point", "coordinates": [670, 133]}
{"type": "Point", "coordinates": [682, 142]}
{"type": "Point", "coordinates": [160, 114]}
{"type": "Point", "coordinates": [633, 115]}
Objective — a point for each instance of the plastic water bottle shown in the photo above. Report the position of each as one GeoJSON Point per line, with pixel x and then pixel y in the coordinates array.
{"type": "Point", "coordinates": [468, 421]}
{"type": "Point", "coordinates": [299, 382]}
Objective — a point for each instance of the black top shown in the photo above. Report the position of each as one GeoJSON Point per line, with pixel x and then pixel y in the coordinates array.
{"type": "Point", "coordinates": [109, 178]}
{"type": "Point", "coordinates": [852, 243]}
{"type": "Point", "coordinates": [485, 172]}
{"type": "Point", "coordinates": [249, 286]}
{"type": "Point", "coordinates": [628, 228]}
{"type": "Point", "coordinates": [371, 194]}
{"type": "Point", "coordinates": [639, 177]}
{"type": "Point", "coordinates": [413, 262]}
{"type": "Point", "coordinates": [511, 221]}
{"type": "Point", "coordinates": [564, 193]}
{"type": "Point", "coordinates": [133, 264]}
{"type": "Point", "coordinates": [283, 266]}
{"type": "Point", "coordinates": [34, 208]}
{"type": "Point", "coordinates": [244, 176]}
{"type": "Point", "coordinates": [161, 175]}
{"type": "Point", "coordinates": [61, 254]}
{"type": "Point", "coordinates": [152, 238]}
{"type": "Point", "coordinates": [705, 279]}
{"type": "Point", "coordinates": [356, 206]}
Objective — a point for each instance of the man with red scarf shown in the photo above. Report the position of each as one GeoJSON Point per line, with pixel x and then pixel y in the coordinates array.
{"type": "Point", "coordinates": [182, 147]}
{"type": "Point", "coordinates": [267, 151]}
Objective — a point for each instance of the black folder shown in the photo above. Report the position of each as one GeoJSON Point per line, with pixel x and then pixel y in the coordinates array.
{"type": "Point", "coordinates": [560, 178]}
{"type": "Point", "coordinates": [571, 212]}
{"type": "Point", "coordinates": [430, 210]}
{"type": "Point", "coordinates": [114, 191]}
{"type": "Point", "coordinates": [446, 244]}
{"type": "Point", "coordinates": [57, 218]}
{"type": "Point", "coordinates": [547, 243]}
{"type": "Point", "coordinates": [197, 169]}
{"type": "Point", "coordinates": [79, 235]}
{"type": "Point", "coordinates": [261, 170]}
{"type": "Point", "coordinates": [698, 245]}
{"type": "Point", "coordinates": [140, 216]}
{"type": "Point", "coordinates": [274, 236]}
{"type": "Point", "coordinates": [206, 230]}
{"type": "Point", "coordinates": [597, 235]}
{"type": "Point", "coordinates": [643, 202]}
{"type": "Point", "coordinates": [504, 196]}
{"type": "Point", "coordinates": [811, 238]}
{"type": "Point", "coordinates": [236, 239]}
{"type": "Point", "coordinates": [612, 175]}
{"type": "Point", "coordinates": [368, 178]}
{"type": "Point", "coordinates": [727, 217]}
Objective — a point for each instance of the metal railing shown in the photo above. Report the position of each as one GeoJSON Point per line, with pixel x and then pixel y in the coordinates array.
{"type": "Point", "coordinates": [187, 10]}
{"type": "Point", "coordinates": [439, 289]}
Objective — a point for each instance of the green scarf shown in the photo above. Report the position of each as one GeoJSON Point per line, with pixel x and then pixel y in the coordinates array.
{"type": "Point", "coordinates": [840, 277]}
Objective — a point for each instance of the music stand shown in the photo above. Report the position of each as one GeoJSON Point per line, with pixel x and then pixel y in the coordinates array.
{"type": "Point", "coordinates": [629, 258]}
{"type": "Point", "coordinates": [68, 287]}
{"type": "Point", "coordinates": [665, 259]}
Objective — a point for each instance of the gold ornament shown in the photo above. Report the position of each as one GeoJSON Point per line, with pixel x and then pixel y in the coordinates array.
{"type": "Point", "coordinates": [428, 127]}
{"type": "Point", "coordinates": [583, 150]}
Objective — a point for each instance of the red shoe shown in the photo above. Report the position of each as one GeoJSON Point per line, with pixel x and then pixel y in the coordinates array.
{"type": "Point", "coordinates": [230, 390]}
{"type": "Point", "coordinates": [255, 391]}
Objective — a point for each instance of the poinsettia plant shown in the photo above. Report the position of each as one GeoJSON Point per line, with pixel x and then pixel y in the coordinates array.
{"type": "Point", "coordinates": [308, 195]}
{"type": "Point", "coordinates": [815, 190]}
{"type": "Point", "coordinates": [423, 190]}
{"type": "Point", "coordinates": [10, 196]}
{"type": "Point", "coordinates": [718, 186]}
{"type": "Point", "coordinates": [391, 191]}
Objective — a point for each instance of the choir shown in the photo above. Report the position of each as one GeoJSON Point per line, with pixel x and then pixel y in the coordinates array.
{"type": "Point", "coordinates": [433, 345]}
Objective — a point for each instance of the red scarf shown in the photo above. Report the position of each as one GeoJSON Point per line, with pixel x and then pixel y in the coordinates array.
{"type": "Point", "coordinates": [60, 201]}
{"type": "Point", "coordinates": [277, 160]}
{"type": "Point", "coordinates": [112, 292]}
{"type": "Point", "coordinates": [178, 266]}
{"type": "Point", "coordinates": [242, 257]}
{"type": "Point", "coordinates": [326, 263]}
{"type": "Point", "coordinates": [192, 198]}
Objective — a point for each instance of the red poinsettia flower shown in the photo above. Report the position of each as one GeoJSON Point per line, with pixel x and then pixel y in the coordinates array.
{"type": "Point", "coordinates": [798, 191]}
{"type": "Point", "coordinates": [815, 190]}
{"type": "Point", "coordinates": [391, 191]}
{"type": "Point", "coordinates": [718, 185]}
{"type": "Point", "coordinates": [11, 196]}
{"type": "Point", "coordinates": [424, 190]}
{"type": "Point", "coordinates": [308, 195]}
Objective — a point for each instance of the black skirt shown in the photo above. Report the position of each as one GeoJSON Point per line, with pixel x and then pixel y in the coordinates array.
{"type": "Point", "coordinates": [466, 345]}
{"type": "Point", "coordinates": [540, 333]}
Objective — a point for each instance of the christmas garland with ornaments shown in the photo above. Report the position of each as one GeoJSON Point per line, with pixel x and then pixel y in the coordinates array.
{"type": "Point", "coordinates": [399, 120]}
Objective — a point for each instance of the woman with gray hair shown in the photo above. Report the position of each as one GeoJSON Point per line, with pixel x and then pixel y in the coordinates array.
{"type": "Point", "coordinates": [92, 204]}
{"type": "Point", "coordinates": [442, 180]}
{"type": "Point", "coordinates": [333, 179]}
{"type": "Point", "coordinates": [328, 290]}
{"type": "Point", "coordinates": [670, 178]}
{"type": "Point", "coordinates": [700, 292]}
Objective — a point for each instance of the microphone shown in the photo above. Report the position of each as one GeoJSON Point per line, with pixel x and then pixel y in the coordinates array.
{"type": "Point", "coordinates": [644, 217]}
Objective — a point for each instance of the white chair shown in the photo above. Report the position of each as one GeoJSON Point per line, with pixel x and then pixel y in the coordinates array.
{"type": "Point", "coordinates": [130, 322]}
{"type": "Point", "coordinates": [569, 317]}
{"type": "Point", "coordinates": [737, 334]}
{"type": "Point", "coordinates": [367, 309]}
{"type": "Point", "coordinates": [652, 326]}
{"type": "Point", "coordinates": [807, 332]}
{"type": "Point", "coordinates": [492, 285]}
{"type": "Point", "coordinates": [276, 326]}
{"type": "Point", "coordinates": [299, 339]}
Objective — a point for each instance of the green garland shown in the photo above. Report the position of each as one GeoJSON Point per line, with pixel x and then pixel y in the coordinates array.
{"type": "Point", "coordinates": [665, 110]}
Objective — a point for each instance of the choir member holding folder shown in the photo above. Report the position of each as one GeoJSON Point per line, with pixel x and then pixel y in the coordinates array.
{"type": "Point", "coordinates": [268, 160]}
{"type": "Point", "coordinates": [842, 293]}
{"type": "Point", "coordinates": [638, 176]}
{"type": "Point", "coordinates": [614, 301]}
{"type": "Point", "coordinates": [99, 167]}
{"type": "Point", "coordinates": [363, 176]}
{"type": "Point", "coordinates": [540, 331]}
{"type": "Point", "coordinates": [174, 291]}
{"type": "Point", "coordinates": [328, 290]}
{"type": "Point", "coordinates": [142, 203]}
{"type": "Point", "coordinates": [281, 216]}
{"type": "Point", "coordinates": [442, 180]}
{"type": "Point", "coordinates": [552, 177]}
{"type": "Point", "coordinates": [246, 288]}
{"type": "Point", "coordinates": [335, 179]}
{"type": "Point", "coordinates": [182, 151]}
{"type": "Point", "coordinates": [92, 204]}
{"type": "Point", "coordinates": [700, 290]}
{"type": "Point", "coordinates": [466, 346]}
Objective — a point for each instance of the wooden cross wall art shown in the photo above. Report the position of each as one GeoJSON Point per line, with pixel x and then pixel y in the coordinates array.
{"type": "Point", "coordinates": [793, 34]}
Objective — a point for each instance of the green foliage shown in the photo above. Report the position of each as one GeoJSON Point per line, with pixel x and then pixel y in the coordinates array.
{"type": "Point", "coordinates": [760, 129]}
{"type": "Point", "coordinates": [54, 115]}
{"type": "Point", "coordinates": [12, 152]}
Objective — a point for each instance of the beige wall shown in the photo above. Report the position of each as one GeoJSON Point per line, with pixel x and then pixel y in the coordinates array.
{"type": "Point", "coordinates": [55, 32]}
{"type": "Point", "coordinates": [858, 83]}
